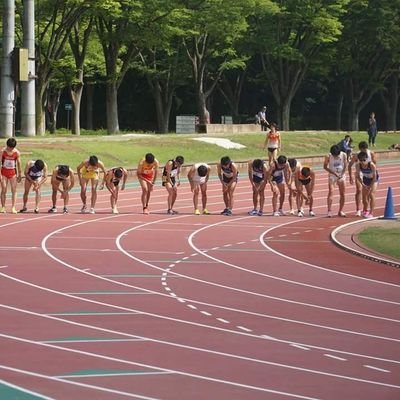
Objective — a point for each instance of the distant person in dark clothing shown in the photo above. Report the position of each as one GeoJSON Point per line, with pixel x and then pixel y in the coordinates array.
{"type": "Point", "coordinates": [345, 146]}
{"type": "Point", "coordinates": [372, 129]}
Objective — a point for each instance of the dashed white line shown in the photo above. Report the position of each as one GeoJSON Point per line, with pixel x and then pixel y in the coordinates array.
{"type": "Point", "coordinates": [335, 357]}
{"type": "Point", "coordinates": [242, 328]}
{"type": "Point", "coordinates": [206, 313]}
{"type": "Point", "coordinates": [223, 320]}
{"type": "Point", "coordinates": [376, 368]}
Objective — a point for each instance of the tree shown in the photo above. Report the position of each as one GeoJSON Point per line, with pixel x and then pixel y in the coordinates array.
{"type": "Point", "coordinates": [123, 27]}
{"type": "Point", "coordinates": [369, 50]}
{"type": "Point", "coordinates": [79, 40]}
{"type": "Point", "coordinates": [164, 64]}
{"type": "Point", "coordinates": [290, 40]}
{"type": "Point", "coordinates": [213, 28]}
{"type": "Point", "coordinates": [55, 20]}
{"type": "Point", "coordinates": [390, 96]}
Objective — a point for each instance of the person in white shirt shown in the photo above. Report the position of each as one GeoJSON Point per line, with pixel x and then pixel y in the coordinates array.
{"type": "Point", "coordinates": [336, 164]}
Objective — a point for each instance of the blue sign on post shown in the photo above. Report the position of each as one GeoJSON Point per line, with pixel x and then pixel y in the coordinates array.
{"type": "Point", "coordinates": [68, 108]}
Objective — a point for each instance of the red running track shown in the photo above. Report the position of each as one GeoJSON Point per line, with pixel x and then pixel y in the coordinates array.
{"type": "Point", "coordinates": [195, 307]}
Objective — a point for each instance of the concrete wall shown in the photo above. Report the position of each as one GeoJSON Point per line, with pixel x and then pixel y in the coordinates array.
{"type": "Point", "coordinates": [229, 128]}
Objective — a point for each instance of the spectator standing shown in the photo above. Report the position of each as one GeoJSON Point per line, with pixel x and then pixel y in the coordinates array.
{"type": "Point", "coordinates": [372, 129]}
{"type": "Point", "coordinates": [262, 119]}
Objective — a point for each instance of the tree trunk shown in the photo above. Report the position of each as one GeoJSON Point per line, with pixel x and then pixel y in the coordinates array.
{"type": "Point", "coordinates": [112, 108]}
{"type": "Point", "coordinates": [390, 98]}
{"type": "Point", "coordinates": [40, 105]}
{"type": "Point", "coordinates": [52, 104]}
{"type": "Point", "coordinates": [204, 115]}
{"type": "Point", "coordinates": [354, 113]}
{"type": "Point", "coordinates": [76, 96]}
{"type": "Point", "coordinates": [89, 105]}
{"type": "Point", "coordinates": [163, 102]}
{"type": "Point", "coordinates": [339, 108]}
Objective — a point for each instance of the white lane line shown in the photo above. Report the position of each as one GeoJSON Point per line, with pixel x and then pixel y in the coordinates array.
{"type": "Point", "coordinates": [22, 389]}
{"type": "Point", "coordinates": [73, 383]}
{"type": "Point", "coordinates": [163, 317]}
{"type": "Point", "coordinates": [224, 321]}
{"type": "Point", "coordinates": [139, 260]}
{"type": "Point", "coordinates": [376, 369]}
{"type": "Point", "coordinates": [299, 347]}
{"type": "Point", "coordinates": [335, 357]}
{"type": "Point", "coordinates": [202, 377]}
{"type": "Point", "coordinates": [80, 376]}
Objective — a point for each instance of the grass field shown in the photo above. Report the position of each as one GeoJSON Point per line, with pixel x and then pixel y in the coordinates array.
{"type": "Point", "coordinates": [382, 239]}
{"type": "Point", "coordinates": [126, 150]}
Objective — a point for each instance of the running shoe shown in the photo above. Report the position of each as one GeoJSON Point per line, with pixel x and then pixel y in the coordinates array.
{"type": "Point", "coordinates": [281, 212]}
{"type": "Point", "coordinates": [36, 211]}
{"type": "Point", "coordinates": [329, 215]}
{"type": "Point", "coordinates": [260, 213]}
{"type": "Point", "coordinates": [65, 210]}
{"type": "Point", "coordinates": [365, 214]}
{"type": "Point", "coordinates": [23, 210]}
{"type": "Point", "coordinates": [358, 213]}
{"type": "Point", "coordinates": [53, 210]}
{"type": "Point", "coordinates": [342, 214]}
{"type": "Point", "coordinates": [206, 212]}
{"type": "Point", "coordinates": [146, 210]}
{"type": "Point", "coordinates": [3, 210]}
{"type": "Point", "coordinates": [223, 212]}
{"type": "Point", "coordinates": [300, 213]}
{"type": "Point", "coordinates": [311, 213]}
{"type": "Point", "coordinates": [228, 211]}
{"type": "Point", "coordinates": [115, 210]}
{"type": "Point", "coordinates": [276, 214]}
{"type": "Point", "coordinates": [92, 211]}
{"type": "Point", "coordinates": [196, 211]}
{"type": "Point", "coordinates": [14, 211]}
{"type": "Point", "coordinates": [292, 212]}
{"type": "Point", "coordinates": [83, 209]}
{"type": "Point", "coordinates": [253, 212]}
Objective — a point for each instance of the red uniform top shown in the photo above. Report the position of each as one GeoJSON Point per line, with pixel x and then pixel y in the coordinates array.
{"type": "Point", "coordinates": [9, 162]}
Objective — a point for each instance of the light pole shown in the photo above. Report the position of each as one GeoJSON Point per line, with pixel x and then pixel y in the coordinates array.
{"type": "Point", "coordinates": [28, 111]}
{"type": "Point", "coordinates": [7, 92]}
